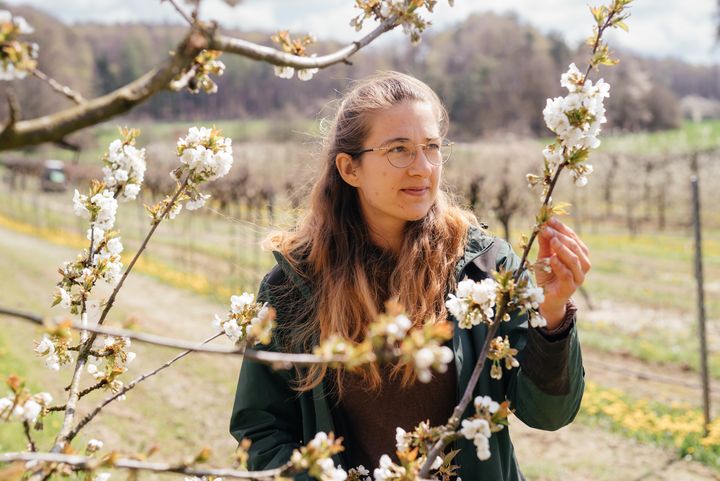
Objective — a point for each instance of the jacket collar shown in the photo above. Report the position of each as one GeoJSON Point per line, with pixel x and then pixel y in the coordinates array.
{"type": "Point", "coordinates": [477, 243]}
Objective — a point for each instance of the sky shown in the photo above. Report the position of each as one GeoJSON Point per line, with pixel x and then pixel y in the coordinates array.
{"type": "Point", "coordinates": [658, 28]}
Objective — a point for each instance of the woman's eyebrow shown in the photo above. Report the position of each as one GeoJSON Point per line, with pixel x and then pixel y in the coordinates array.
{"type": "Point", "coordinates": [405, 139]}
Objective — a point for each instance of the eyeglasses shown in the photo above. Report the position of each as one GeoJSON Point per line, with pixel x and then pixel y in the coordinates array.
{"type": "Point", "coordinates": [402, 154]}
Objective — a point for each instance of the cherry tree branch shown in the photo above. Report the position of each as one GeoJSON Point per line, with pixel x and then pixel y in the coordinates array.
{"type": "Point", "coordinates": [180, 11]}
{"type": "Point", "coordinates": [89, 417]}
{"type": "Point", "coordinates": [276, 57]}
{"type": "Point", "coordinates": [55, 127]}
{"type": "Point", "coordinates": [276, 359]}
{"type": "Point", "coordinates": [28, 435]}
{"type": "Point", "coordinates": [141, 249]}
{"type": "Point", "coordinates": [58, 87]}
{"type": "Point", "coordinates": [92, 463]}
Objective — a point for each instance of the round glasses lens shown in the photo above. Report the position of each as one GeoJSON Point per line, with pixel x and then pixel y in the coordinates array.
{"type": "Point", "coordinates": [445, 152]}
{"type": "Point", "coordinates": [401, 157]}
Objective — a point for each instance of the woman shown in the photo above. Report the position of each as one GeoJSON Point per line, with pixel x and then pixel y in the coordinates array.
{"type": "Point", "coordinates": [378, 227]}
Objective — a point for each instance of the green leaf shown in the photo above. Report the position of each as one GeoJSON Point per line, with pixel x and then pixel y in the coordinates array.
{"type": "Point", "coordinates": [621, 24]}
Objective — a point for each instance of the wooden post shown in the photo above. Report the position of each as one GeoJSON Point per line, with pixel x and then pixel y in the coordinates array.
{"type": "Point", "coordinates": [700, 295]}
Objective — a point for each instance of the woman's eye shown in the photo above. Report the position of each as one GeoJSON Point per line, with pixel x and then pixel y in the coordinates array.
{"type": "Point", "coordinates": [433, 146]}
{"type": "Point", "coordinates": [398, 149]}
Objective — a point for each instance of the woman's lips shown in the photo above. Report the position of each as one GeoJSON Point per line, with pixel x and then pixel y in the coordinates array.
{"type": "Point", "coordinates": [417, 191]}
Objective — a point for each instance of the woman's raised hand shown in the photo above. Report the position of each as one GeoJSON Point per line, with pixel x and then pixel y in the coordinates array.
{"type": "Point", "coordinates": [568, 260]}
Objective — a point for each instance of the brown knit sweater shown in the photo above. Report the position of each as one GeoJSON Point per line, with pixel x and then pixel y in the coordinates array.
{"type": "Point", "coordinates": [367, 419]}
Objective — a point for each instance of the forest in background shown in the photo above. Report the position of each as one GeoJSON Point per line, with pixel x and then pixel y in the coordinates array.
{"type": "Point", "coordinates": [494, 73]}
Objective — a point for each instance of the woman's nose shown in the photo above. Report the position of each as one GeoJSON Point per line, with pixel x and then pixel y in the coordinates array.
{"type": "Point", "coordinates": [420, 165]}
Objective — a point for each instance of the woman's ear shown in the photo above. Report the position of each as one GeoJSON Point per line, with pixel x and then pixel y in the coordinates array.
{"type": "Point", "coordinates": [347, 168]}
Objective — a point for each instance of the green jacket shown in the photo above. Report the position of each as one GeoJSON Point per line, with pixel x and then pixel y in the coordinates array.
{"type": "Point", "coordinates": [544, 392]}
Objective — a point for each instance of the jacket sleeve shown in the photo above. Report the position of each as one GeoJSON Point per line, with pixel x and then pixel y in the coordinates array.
{"type": "Point", "coordinates": [546, 390]}
{"type": "Point", "coordinates": [266, 410]}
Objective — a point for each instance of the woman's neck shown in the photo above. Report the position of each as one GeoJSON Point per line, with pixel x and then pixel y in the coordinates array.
{"type": "Point", "coordinates": [388, 237]}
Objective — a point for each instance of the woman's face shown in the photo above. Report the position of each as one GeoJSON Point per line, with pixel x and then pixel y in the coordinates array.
{"type": "Point", "coordinates": [392, 196]}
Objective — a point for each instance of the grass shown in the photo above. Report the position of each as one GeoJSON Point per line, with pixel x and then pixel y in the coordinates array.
{"type": "Point", "coordinates": [654, 270]}
{"type": "Point", "coordinates": [690, 136]}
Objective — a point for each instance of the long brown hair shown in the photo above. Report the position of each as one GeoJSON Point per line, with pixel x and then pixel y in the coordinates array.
{"type": "Point", "coordinates": [331, 246]}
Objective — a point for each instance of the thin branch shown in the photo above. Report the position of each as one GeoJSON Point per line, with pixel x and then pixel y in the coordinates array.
{"type": "Point", "coordinates": [457, 413]}
{"type": "Point", "coordinates": [86, 341]}
{"type": "Point", "coordinates": [598, 37]}
{"type": "Point", "coordinates": [31, 443]}
{"type": "Point", "coordinates": [89, 417]}
{"type": "Point", "coordinates": [58, 87]}
{"type": "Point", "coordinates": [275, 359]}
{"type": "Point", "coordinates": [180, 11]}
{"type": "Point", "coordinates": [14, 107]}
{"type": "Point", "coordinates": [535, 231]}
{"type": "Point", "coordinates": [276, 57]}
{"type": "Point", "coordinates": [92, 463]}
{"type": "Point", "coordinates": [92, 388]}
{"type": "Point", "coordinates": [74, 395]}
{"type": "Point", "coordinates": [155, 224]}
{"type": "Point", "coordinates": [27, 316]}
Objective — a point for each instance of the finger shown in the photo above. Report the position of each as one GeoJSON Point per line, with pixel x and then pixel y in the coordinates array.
{"type": "Point", "coordinates": [544, 237]}
{"type": "Point", "coordinates": [562, 272]}
{"type": "Point", "coordinates": [562, 228]}
{"type": "Point", "coordinates": [569, 260]}
{"type": "Point", "coordinates": [573, 245]}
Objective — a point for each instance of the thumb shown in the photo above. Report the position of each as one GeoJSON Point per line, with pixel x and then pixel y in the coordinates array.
{"type": "Point", "coordinates": [544, 237]}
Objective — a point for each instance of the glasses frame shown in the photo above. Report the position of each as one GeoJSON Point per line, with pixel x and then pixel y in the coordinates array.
{"type": "Point", "coordinates": [444, 143]}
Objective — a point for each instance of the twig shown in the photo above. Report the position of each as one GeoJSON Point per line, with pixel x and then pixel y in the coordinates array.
{"type": "Point", "coordinates": [92, 388]}
{"type": "Point", "coordinates": [179, 10]}
{"type": "Point", "coordinates": [276, 359]}
{"type": "Point", "coordinates": [457, 413]}
{"type": "Point", "coordinates": [86, 341]}
{"type": "Point", "coordinates": [27, 316]}
{"type": "Point", "coordinates": [598, 36]}
{"type": "Point", "coordinates": [26, 428]}
{"type": "Point", "coordinates": [276, 57]}
{"type": "Point", "coordinates": [91, 463]}
{"type": "Point", "coordinates": [534, 233]}
{"type": "Point", "coordinates": [58, 87]}
{"type": "Point", "coordinates": [111, 299]}
{"type": "Point", "coordinates": [658, 469]}
{"type": "Point", "coordinates": [129, 386]}
{"type": "Point", "coordinates": [14, 107]}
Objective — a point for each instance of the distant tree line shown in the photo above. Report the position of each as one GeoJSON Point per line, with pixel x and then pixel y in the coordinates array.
{"type": "Point", "coordinates": [493, 71]}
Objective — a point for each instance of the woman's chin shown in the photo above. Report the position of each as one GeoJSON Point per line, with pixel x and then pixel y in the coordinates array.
{"type": "Point", "coordinates": [416, 214]}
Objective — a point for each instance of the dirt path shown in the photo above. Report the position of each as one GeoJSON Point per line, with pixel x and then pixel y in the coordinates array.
{"type": "Point", "coordinates": [581, 453]}
{"type": "Point", "coordinates": [188, 408]}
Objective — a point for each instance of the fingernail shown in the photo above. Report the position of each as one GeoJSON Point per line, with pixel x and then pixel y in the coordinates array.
{"type": "Point", "coordinates": [551, 232]}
